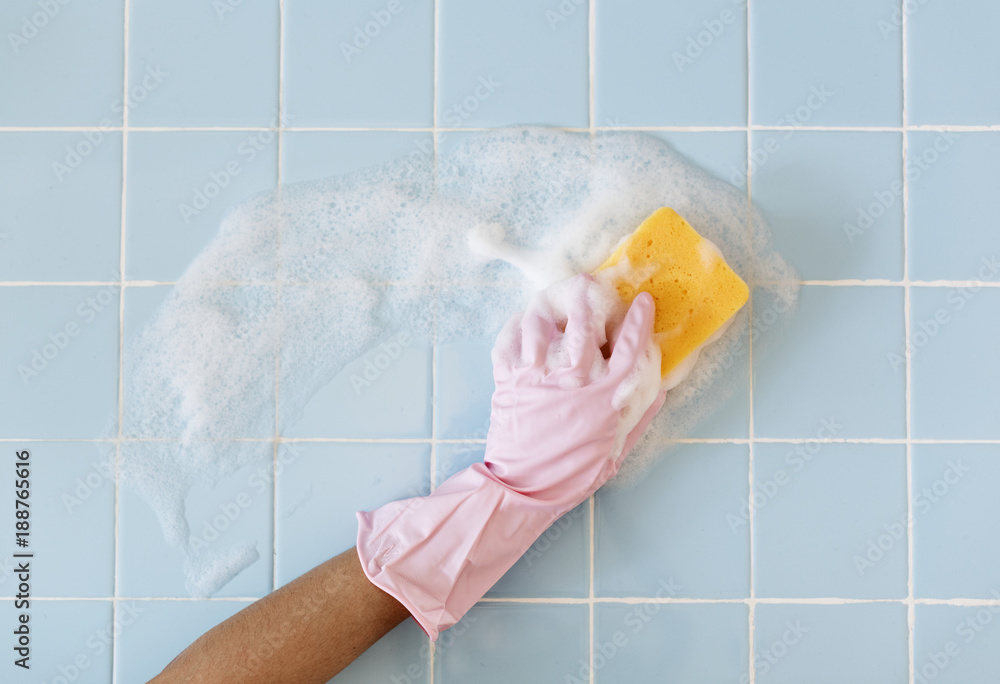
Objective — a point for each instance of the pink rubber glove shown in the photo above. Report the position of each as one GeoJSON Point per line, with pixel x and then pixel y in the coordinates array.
{"type": "Point", "coordinates": [563, 418]}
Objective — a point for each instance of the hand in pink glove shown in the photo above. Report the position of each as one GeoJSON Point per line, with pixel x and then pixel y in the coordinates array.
{"type": "Point", "coordinates": [563, 418]}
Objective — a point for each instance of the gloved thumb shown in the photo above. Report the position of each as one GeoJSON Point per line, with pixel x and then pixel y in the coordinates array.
{"type": "Point", "coordinates": [633, 336]}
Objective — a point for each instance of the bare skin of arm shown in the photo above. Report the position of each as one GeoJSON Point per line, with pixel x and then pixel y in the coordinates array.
{"type": "Point", "coordinates": [307, 631]}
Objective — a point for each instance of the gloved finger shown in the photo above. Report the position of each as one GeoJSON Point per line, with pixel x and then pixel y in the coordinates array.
{"type": "Point", "coordinates": [581, 338]}
{"type": "Point", "coordinates": [639, 430]}
{"type": "Point", "coordinates": [506, 351]}
{"type": "Point", "coordinates": [536, 334]}
{"type": "Point", "coordinates": [632, 337]}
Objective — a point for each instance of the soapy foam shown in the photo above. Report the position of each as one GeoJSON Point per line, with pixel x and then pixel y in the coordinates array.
{"type": "Point", "coordinates": [310, 276]}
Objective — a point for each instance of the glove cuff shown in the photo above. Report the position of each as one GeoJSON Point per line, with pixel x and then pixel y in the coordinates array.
{"type": "Point", "coordinates": [439, 554]}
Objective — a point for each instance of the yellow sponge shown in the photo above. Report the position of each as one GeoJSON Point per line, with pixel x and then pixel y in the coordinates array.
{"type": "Point", "coordinates": [695, 291]}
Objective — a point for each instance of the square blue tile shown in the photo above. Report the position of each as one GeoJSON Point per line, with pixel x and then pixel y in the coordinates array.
{"type": "Point", "coordinates": [235, 512]}
{"type": "Point", "coordinates": [722, 153]}
{"type": "Point", "coordinates": [181, 185]}
{"type": "Point", "coordinates": [72, 516]}
{"type": "Point", "coordinates": [650, 69]}
{"type": "Point", "coordinates": [64, 66]}
{"type": "Point", "coordinates": [505, 64]}
{"type": "Point", "coordinates": [953, 206]}
{"type": "Point", "coordinates": [834, 199]}
{"type": "Point", "coordinates": [49, 182]}
{"type": "Point", "coordinates": [402, 655]}
{"type": "Point", "coordinates": [332, 482]}
{"type": "Point", "coordinates": [142, 419]}
{"type": "Point", "coordinates": [952, 55]}
{"type": "Point", "coordinates": [800, 643]}
{"type": "Point", "coordinates": [955, 517]}
{"type": "Point", "coordinates": [463, 390]}
{"type": "Point", "coordinates": [157, 631]}
{"type": "Point", "coordinates": [497, 643]}
{"type": "Point", "coordinates": [379, 52]}
{"type": "Point", "coordinates": [831, 364]}
{"type": "Point", "coordinates": [308, 155]}
{"type": "Point", "coordinates": [728, 399]}
{"type": "Point", "coordinates": [61, 377]}
{"type": "Point", "coordinates": [673, 526]}
{"type": "Point", "coordinates": [385, 392]}
{"type": "Point", "coordinates": [821, 530]}
{"type": "Point", "coordinates": [652, 642]}
{"type": "Point", "coordinates": [956, 644]}
{"type": "Point", "coordinates": [954, 364]}
{"type": "Point", "coordinates": [70, 642]}
{"type": "Point", "coordinates": [195, 64]}
{"type": "Point", "coordinates": [556, 564]}
{"type": "Point", "coordinates": [799, 49]}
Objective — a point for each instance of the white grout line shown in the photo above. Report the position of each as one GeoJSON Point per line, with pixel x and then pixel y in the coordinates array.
{"type": "Point", "coordinates": [846, 282]}
{"type": "Point", "coordinates": [277, 285]}
{"type": "Point", "coordinates": [624, 600]}
{"type": "Point", "coordinates": [428, 440]}
{"type": "Point", "coordinates": [427, 129]}
{"type": "Point", "coordinates": [591, 502]}
{"type": "Point", "coordinates": [752, 600]}
{"type": "Point", "coordinates": [432, 645]}
{"type": "Point", "coordinates": [910, 610]}
{"type": "Point", "coordinates": [121, 336]}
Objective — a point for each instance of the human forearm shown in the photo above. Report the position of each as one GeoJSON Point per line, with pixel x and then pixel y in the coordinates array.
{"type": "Point", "coordinates": [306, 631]}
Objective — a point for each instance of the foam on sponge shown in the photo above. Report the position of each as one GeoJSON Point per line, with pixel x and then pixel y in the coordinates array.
{"type": "Point", "coordinates": [695, 290]}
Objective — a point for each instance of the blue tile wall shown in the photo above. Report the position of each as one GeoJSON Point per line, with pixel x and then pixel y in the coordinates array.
{"type": "Point", "coordinates": [835, 200]}
{"type": "Point", "coordinates": [693, 57]}
{"type": "Point", "coordinates": [953, 181]}
{"type": "Point", "coordinates": [864, 642]}
{"type": "Point", "coordinates": [951, 50]}
{"type": "Point", "coordinates": [832, 363]}
{"type": "Point", "coordinates": [954, 514]}
{"type": "Point", "coordinates": [676, 526]}
{"type": "Point", "coordinates": [956, 644]}
{"type": "Point", "coordinates": [51, 181]}
{"type": "Point", "coordinates": [866, 133]}
{"type": "Point", "coordinates": [334, 49]}
{"type": "Point", "coordinates": [810, 539]}
{"type": "Point", "coordinates": [70, 641]}
{"type": "Point", "coordinates": [170, 46]}
{"type": "Point", "coordinates": [511, 63]}
{"type": "Point", "coordinates": [693, 643]}
{"type": "Point", "coordinates": [824, 64]}
{"type": "Point", "coordinates": [499, 642]}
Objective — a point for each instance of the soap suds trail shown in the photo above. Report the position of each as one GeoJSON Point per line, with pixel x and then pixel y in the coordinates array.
{"type": "Point", "coordinates": [366, 255]}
